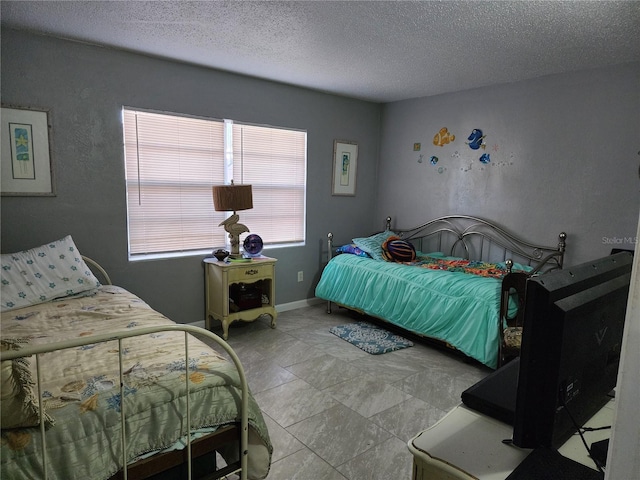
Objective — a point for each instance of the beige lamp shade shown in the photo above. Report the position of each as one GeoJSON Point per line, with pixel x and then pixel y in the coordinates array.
{"type": "Point", "coordinates": [232, 198]}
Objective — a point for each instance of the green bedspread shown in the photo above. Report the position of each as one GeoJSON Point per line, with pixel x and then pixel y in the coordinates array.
{"type": "Point", "coordinates": [453, 306]}
{"type": "Point", "coordinates": [81, 389]}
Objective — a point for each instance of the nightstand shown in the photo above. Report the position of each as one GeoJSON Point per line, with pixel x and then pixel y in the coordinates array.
{"type": "Point", "coordinates": [240, 290]}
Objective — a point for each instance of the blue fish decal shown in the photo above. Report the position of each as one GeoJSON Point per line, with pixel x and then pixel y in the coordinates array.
{"type": "Point", "coordinates": [484, 158]}
{"type": "Point", "coordinates": [476, 139]}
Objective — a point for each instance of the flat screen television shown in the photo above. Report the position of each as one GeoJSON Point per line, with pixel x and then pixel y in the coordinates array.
{"type": "Point", "coordinates": [571, 345]}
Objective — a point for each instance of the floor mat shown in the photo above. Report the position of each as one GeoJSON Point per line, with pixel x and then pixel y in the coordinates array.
{"type": "Point", "coordinates": [370, 338]}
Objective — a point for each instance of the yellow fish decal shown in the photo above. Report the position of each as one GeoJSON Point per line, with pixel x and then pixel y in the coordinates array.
{"type": "Point", "coordinates": [443, 137]}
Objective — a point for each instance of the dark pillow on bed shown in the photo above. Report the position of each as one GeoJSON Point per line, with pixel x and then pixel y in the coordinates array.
{"type": "Point", "coordinates": [352, 249]}
{"type": "Point", "coordinates": [396, 250]}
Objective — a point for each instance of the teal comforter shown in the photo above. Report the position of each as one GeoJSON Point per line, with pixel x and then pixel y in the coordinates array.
{"type": "Point", "coordinates": [458, 308]}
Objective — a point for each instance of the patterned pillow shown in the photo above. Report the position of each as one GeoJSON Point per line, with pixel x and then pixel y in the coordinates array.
{"type": "Point", "coordinates": [352, 249]}
{"type": "Point", "coordinates": [43, 274]}
{"type": "Point", "coordinates": [373, 244]}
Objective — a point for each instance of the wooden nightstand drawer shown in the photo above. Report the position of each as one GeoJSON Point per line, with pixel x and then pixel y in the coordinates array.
{"type": "Point", "coordinates": [250, 273]}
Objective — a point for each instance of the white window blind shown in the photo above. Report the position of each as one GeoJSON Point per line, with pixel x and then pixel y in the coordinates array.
{"type": "Point", "coordinates": [171, 163]}
{"type": "Point", "coordinates": [273, 162]}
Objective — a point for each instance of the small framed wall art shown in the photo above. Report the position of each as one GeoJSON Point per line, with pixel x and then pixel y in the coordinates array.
{"type": "Point", "coordinates": [345, 164]}
{"type": "Point", "coordinates": [25, 159]}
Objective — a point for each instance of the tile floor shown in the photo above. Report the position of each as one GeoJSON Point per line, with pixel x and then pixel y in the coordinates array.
{"type": "Point", "coordinates": [335, 412]}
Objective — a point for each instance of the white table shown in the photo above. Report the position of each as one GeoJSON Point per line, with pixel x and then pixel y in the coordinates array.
{"type": "Point", "coordinates": [220, 276]}
{"type": "Point", "coordinates": [466, 444]}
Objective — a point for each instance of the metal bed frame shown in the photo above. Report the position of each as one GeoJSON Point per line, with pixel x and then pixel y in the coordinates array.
{"type": "Point", "coordinates": [464, 232]}
{"type": "Point", "coordinates": [479, 239]}
{"type": "Point", "coordinates": [474, 235]}
{"type": "Point", "coordinates": [228, 434]}
{"type": "Point", "coordinates": [464, 229]}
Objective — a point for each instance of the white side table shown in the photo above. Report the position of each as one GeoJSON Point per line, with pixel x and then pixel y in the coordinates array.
{"type": "Point", "coordinates": [256, 273]}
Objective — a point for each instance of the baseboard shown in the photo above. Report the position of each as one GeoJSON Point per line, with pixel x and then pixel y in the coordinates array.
{"type": "Point", "coordinates": [307, 302]}
{"type": "Point", "coordinates": [284, 307]}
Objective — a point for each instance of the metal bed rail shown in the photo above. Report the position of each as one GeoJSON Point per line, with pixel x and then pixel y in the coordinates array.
{"type": "Point", "coordinates": [98, 268]}
{"type": "Point", "coordinates": [37, 350]}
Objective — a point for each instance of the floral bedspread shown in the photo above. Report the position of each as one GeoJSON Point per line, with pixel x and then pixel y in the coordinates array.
{"type": "Point", "coordinates": [80, 389]}
{"type": "Point", "coordinates": [483, 269]}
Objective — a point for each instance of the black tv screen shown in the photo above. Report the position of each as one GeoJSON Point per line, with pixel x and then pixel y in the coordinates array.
{"type": "Point", "coordinates": [571, 345]}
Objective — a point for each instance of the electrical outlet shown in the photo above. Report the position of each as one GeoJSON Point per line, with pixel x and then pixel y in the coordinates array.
{"type": "Point", "coordinates": [300, 276]}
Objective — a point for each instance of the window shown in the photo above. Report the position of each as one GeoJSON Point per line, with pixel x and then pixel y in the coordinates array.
{"type": "Point", "coordinates": [171, 163]}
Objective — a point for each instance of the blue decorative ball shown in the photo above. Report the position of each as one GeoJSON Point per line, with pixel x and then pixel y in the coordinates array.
{"type": "Point", "coordinates": [253, 245]}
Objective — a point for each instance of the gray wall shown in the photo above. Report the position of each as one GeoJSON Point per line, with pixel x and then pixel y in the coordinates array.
{"type": "Point", "coordinates": [567, 159]}
{"type": "Point", "coordinates": [85, 87]}
{"type": "Point", "coordinates": [568, 150]}
{"type": "Point", "coordinates": [564, 157]}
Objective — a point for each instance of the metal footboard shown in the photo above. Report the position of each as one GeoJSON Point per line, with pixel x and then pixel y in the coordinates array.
{"type": "Point", "coordinates": [37, 350]}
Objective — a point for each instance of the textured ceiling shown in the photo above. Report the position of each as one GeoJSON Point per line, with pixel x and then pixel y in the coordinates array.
{"type": "Point", "coordinates": [375, 50]}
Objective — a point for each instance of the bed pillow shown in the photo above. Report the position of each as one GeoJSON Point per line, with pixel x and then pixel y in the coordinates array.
{"type": "Point", "coordinates": [19, 406]}
{"type": "Point", "coordinates": [373, 244]}
{"type": "Point", "coordinates": [352, 249]}
{"type": "Point", "coordinates": [396, 250]}
{"type": "Point", "coordinates": [44, 273]}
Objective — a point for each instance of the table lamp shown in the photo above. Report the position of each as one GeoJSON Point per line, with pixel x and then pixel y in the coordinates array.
{"type": "Point", "coordinates": [232, 198]}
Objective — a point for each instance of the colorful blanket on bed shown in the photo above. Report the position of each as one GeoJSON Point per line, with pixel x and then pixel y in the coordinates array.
{"type": "Point", "coordinates": [483, 269]}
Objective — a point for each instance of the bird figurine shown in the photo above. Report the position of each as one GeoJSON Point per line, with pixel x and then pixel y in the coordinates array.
{"type": "Point", "coordinates": [234, 229]}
